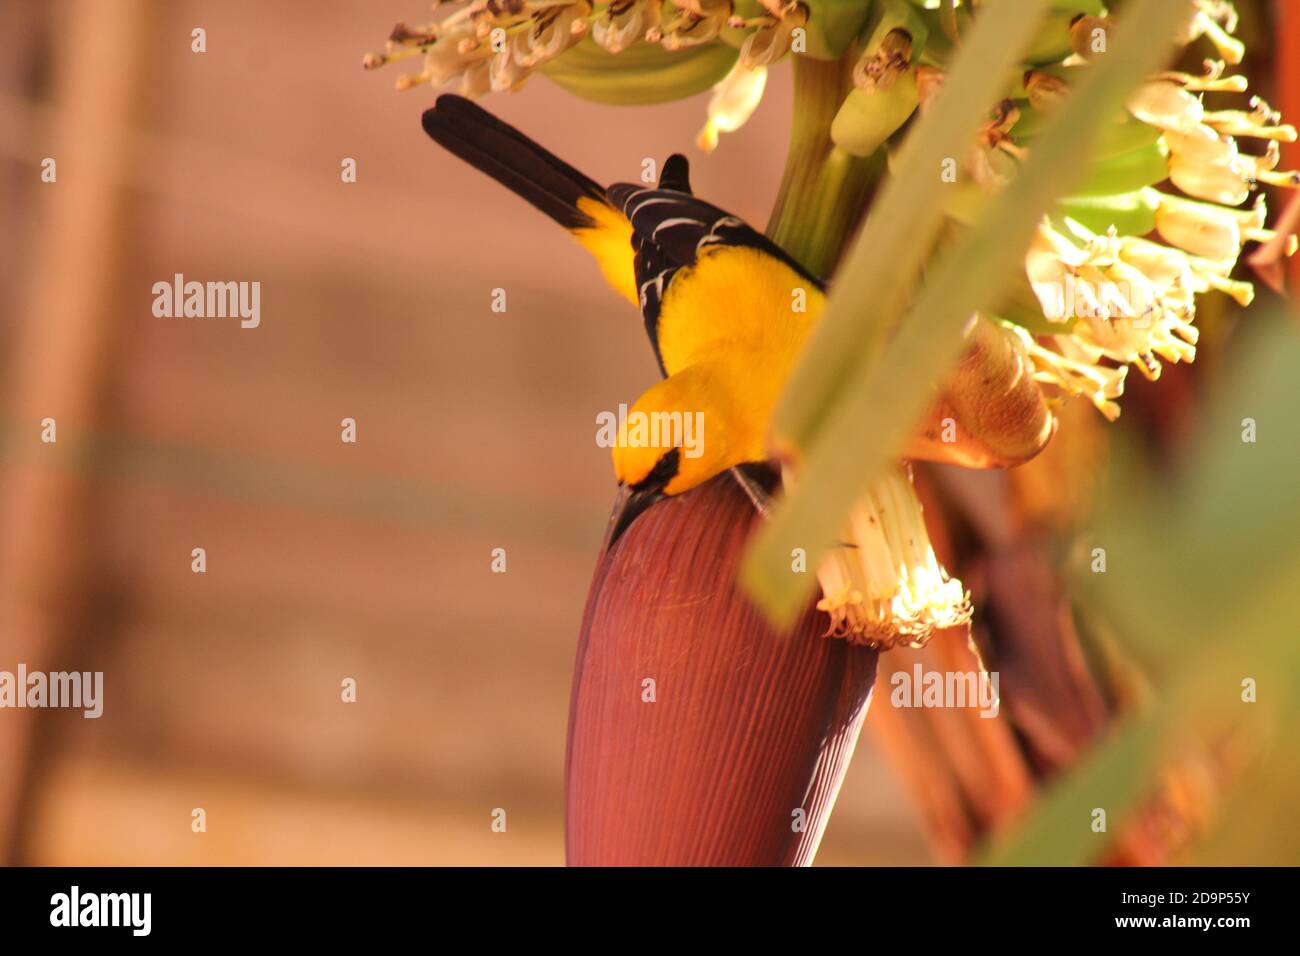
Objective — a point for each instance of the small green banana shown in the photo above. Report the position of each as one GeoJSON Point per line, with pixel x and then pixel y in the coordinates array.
{"type": "Point", "coordinates": [1052, 42]}
{"type": "Point", "coordinates": [867, 118]}
{"type": "Point", "coordinates": [885, 94]}
{"type": "Point", "coordinates": [1132, 214]}
{"type": "Point", "coordinates": [1117, 139]}
{"type": "Point", "coordinates": [1125, 136]}
{"type": "Point", "coordinates": [1126, 172]}
{"type": "Point", "coordinates": [643, 74]}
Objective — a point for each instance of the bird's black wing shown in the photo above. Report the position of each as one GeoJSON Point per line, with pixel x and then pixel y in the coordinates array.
{"type": "Point", "coordinates": [670, 227]}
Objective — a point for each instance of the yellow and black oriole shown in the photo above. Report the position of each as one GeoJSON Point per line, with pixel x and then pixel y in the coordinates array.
{"type": "Point", "coordinates": [727, 311]}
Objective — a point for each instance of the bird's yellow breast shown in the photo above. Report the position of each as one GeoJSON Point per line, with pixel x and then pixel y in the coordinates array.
{"type": "Point", "coordinates": [748, 315]}
{"type": "Point", "coordinates": [735, 298]}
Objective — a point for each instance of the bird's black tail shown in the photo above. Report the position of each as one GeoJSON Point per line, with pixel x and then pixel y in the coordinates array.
{"type": "Point", "coordinates": [512, 159]}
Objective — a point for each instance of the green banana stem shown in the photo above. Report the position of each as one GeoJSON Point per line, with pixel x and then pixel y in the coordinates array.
{"type": "Point", "coordinates": [823, 189]}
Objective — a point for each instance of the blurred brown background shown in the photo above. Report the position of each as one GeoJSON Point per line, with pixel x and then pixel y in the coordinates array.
{"type": "Point", "coordinates": [325, 560]}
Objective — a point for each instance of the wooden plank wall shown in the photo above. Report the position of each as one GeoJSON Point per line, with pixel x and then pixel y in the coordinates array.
{"type": "Point", "coordinates": [328, 560]}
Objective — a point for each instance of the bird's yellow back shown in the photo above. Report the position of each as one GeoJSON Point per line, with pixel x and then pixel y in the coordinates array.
{"type": "Point", "coordinates": [748, 316]}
